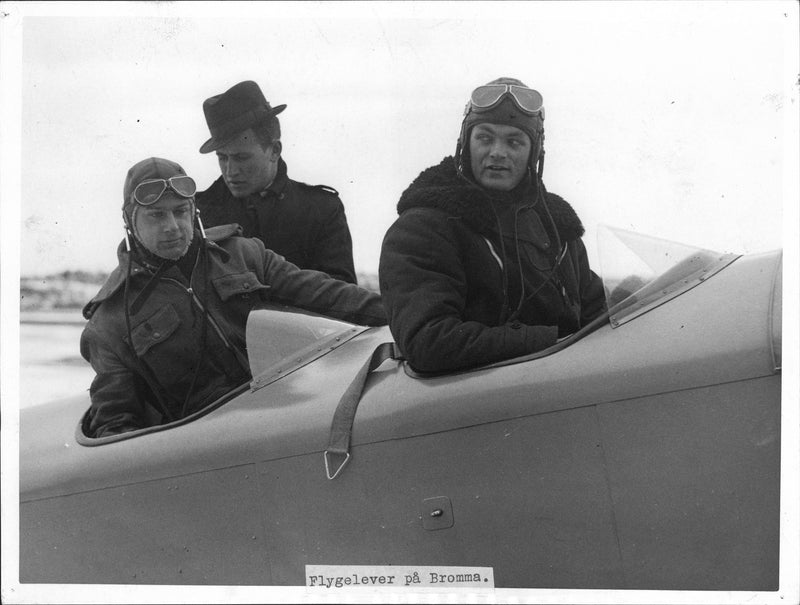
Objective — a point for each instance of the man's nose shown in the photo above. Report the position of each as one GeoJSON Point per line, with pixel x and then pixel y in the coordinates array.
{"type": "Point", "coordinates": [498, 150]}
{"type": "Point", "coordinates": [231, 169]}
{"type": "Point", "coordinates": [170, 222]}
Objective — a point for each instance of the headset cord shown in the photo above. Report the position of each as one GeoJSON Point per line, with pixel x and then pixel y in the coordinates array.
{"type": "Point", "coordinates": [551, 273]}
{"type": "Point", "coordinates": [203, 262]}
{"type": "Point", "coordinates": [548, 274]}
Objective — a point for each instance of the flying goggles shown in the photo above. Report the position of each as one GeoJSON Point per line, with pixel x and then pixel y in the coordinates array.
{"type": "Point", "coordinates": [149, 192]}
{"type": "Point", "coordinates": [486, 97]}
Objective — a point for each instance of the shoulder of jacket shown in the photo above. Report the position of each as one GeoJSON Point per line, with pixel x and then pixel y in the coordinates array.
{"type": "Point", "coordinates": [426, 213]}
{"type": "Point", "coordinates": [429, 220]}
{"type": "Point", "coordinates": [327, 189]}
{"type": "Point", "coordinates": [564, 215]}
{"type": "Point", "coordinates": [111, 286]}
{"type": "Point", "coordinates": [223, 232]}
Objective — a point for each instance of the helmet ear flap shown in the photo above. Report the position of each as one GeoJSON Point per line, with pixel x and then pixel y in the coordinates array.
{"type": "Point", "coordinates": [537, 154]}
{"type": "Point", "coordinates": [127, 231]}
{"type": "Point", "coordinates": [126, 221]}
{"type": "Point", "coordinates": [129, 228]}
{"type": "Point", "coordinates": [461, 144]}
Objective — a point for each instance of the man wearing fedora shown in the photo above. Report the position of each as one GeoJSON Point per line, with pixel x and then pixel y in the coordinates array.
{"type": "Point", "coordinates": [304, 223]}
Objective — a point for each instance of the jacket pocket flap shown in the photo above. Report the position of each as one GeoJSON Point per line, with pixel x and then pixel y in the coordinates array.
{"type": "Point", "coordinates": [155, 329]}
{"type": "Point", "coordinates": [238, 283]}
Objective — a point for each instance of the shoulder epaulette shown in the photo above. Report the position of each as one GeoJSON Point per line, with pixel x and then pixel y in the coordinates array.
{"type": "Point", "coordinates": [325, 188]}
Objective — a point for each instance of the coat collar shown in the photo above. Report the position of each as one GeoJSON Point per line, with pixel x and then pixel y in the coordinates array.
{"type": "Point", "coordinates": [278, 184]}
{"type": "Point", "coordinates": [219, 190]}
{"type": "Point", "coordinates": [117, 278]}
{"type": "Point", "coordinates": [442, 188]}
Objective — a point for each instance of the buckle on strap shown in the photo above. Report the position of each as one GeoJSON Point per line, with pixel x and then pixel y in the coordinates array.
{"type": "Point", "coordinates": [340, 467]}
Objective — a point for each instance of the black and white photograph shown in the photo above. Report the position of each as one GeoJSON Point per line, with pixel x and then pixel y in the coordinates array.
{"type": "Point", "coordinates": [440, 302]}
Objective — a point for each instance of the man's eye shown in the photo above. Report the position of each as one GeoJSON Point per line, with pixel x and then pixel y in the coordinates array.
{"type": "Point", "coordinates": [156, 214]}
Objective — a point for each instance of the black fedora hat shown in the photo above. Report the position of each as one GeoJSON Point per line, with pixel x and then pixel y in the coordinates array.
{"type": "Point", "coordinates": [234, 111]}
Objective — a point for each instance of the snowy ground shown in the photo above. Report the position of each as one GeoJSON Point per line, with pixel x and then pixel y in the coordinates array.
{"type": "Point", "coordinates": [50, 363]}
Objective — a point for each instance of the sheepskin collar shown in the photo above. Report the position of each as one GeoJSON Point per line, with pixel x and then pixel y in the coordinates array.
{"type": "Point", "coordinates": [442, 188]}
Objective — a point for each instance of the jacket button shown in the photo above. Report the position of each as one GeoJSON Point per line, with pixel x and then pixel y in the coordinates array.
{"type": "Point", "coordinates": [516, 325]}
{"type": "Point", "coordinates": [246, 286]}
{"type": "Point", "coordinates": [156, 334]}
{"type": "Point", "coordinates": [547, 244]}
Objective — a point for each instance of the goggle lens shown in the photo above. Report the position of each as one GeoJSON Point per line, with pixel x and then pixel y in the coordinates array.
{"type": "Point", "coordinates": [528, 100]}
{"type": "Point", "coordinates": [149, 192]}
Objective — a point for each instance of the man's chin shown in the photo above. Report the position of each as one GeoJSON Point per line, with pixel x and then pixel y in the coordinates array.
{"type": "Point", "coordinates": [497, 183]}
{"type": "Point", "coordinates": [238, 191]}
{"type": "Point", "coordinates": [172, 253]}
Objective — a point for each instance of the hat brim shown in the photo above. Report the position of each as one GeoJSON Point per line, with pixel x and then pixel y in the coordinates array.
{"type": "Point", "coordinates": [215, 143]}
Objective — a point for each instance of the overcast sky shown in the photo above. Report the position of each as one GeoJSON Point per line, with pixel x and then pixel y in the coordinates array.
{"type": "Point", "coordinates": [668, 119]}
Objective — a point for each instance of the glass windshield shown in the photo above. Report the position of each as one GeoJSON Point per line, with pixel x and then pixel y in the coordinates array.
{"type": "Point", "coordinates": [641, 272]}
{"type": "Point", "coordinates": [283, 339]}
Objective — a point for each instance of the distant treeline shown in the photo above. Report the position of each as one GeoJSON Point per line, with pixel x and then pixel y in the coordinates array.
{"type": "Point", "coordinates": [75, 275]}
{"type": "Point", "coordinates": [72, 289]}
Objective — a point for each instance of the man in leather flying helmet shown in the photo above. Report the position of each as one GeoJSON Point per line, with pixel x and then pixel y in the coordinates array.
{"type": "Point", "coordinates": [166, 332]}
{"type": "Point", "coordinates": [483, 263]}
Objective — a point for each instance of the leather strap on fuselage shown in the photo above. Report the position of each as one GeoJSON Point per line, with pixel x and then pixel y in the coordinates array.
{"type": "Point", "coordinates": [338, 452]}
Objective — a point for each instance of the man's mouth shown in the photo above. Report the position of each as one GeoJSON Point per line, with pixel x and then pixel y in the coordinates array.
{"type": "Point", "coordinates": [496, 168]}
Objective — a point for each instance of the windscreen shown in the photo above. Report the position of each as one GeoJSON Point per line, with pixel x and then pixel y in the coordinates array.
{"type": "Point", "coordinates": [640, 272]}
{"type": "Point", "coordinates": [281, 339]}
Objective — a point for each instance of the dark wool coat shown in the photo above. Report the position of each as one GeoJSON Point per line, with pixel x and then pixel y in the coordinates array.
{"type": "Point", "coordinates": [161, 359]}
{"type": "Point", "coordinates": [466, 280]}
{"type": "Point", "coordinates": [306, 224]}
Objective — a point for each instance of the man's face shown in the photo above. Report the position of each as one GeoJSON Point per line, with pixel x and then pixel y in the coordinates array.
{"type": "Point", "coordinates": [165, 228]}
{"type": "Point", "coordinates": [498, 155]}
{"type": "Point", "coordinates": [246, 167]}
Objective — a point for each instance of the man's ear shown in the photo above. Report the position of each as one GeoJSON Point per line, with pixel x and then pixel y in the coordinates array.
{"type": "Point", "coordinates": [276, 150]}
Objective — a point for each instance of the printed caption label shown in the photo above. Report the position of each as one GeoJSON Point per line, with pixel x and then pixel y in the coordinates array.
{"type": "Point", "coordinates": [394, 576]}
